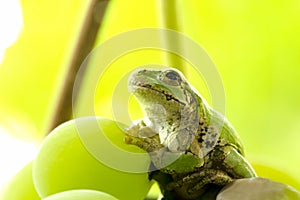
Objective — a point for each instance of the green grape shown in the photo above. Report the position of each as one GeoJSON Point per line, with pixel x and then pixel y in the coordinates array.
{"type": "Point", "coordinates": [64, 163]}
{"type": "Point", "coordinates": [80, 195]}
{"type": "Point", "coordinates": [21, 186]}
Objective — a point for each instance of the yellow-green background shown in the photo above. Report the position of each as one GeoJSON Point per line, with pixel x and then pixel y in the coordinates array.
{"type": "Point", "coordinates": [254, 44]}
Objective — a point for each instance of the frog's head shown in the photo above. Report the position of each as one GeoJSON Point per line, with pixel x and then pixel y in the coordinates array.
{"type": "Point", "coordinates": [160, 86]}
{"type": "Point", "coordinates": [168, 100]}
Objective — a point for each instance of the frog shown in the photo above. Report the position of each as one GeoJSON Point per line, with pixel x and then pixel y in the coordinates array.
{"type": "Point", "coordinates": [194, 149]}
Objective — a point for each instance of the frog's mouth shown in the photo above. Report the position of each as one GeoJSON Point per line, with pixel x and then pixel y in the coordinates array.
{"type": "Point", "coordinates": [150, 93]}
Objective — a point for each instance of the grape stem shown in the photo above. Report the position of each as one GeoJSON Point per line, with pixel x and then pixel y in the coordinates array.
{"type": "Point", "coordinates": [84, 45]}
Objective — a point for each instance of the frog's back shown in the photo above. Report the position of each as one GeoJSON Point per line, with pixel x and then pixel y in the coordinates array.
{"type": "Point", "coordinates": [228, 135]}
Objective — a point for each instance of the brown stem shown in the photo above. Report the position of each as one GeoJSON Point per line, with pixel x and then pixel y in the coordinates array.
{"type": "Point", "coordinates": [84, 45]}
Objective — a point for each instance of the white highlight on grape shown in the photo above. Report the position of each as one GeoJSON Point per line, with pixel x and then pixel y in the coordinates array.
{"type": "Point", "coordinates": [14, 155]}
{"type": "Point", "coordinates": [11, 23]}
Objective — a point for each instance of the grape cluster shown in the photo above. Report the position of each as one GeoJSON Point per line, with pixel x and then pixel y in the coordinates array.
{"type": "Point", "coordinates": [64, 169]}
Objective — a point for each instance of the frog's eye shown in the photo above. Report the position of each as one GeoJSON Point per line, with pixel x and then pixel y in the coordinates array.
{"type": "Point", "coordinates": [172, 78]}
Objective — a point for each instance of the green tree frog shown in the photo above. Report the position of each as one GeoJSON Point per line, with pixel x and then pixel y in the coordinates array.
{"type": "Point", "coordinates": [194, 150]}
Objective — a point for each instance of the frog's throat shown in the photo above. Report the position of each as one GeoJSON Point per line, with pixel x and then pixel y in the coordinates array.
{"type": "Point", "coordinates": [169, 118]}
{"type": "Point", "coordinates": [150, 100]}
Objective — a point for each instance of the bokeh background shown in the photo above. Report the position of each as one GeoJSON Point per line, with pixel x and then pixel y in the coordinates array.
{"type": "Point", "coordinates": [254, 44]}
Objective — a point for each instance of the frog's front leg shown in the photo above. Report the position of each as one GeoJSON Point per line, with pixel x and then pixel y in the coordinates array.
{"type": "Point", "coordinates": [145, 138]}
{"type": "Point", "coordinates": [140, 129]}
{"type": "Point", "coordinates": [233, 162]}
{"type": "Point", "coordinates": [142, 136]}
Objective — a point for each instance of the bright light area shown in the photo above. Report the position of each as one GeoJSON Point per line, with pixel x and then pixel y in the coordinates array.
{"type": "Point", "coordinates": [14, 155]}
{"type": "Point", "coordinates": [10, 24]}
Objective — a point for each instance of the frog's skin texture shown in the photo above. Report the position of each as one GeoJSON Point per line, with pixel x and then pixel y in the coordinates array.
{"type": "Point", "coordinates": [180, 126]}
